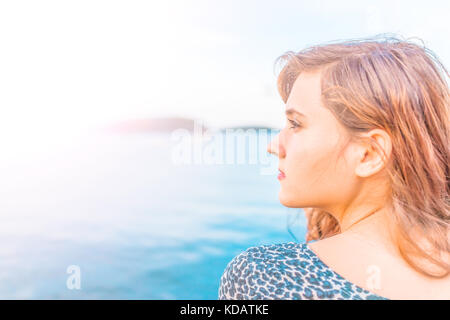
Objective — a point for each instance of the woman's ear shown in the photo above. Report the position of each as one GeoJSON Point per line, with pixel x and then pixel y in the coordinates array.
{"type": "Point", "coordinates": [373, 157]}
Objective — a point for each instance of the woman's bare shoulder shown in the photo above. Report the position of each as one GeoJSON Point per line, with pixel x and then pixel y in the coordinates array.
{"type": "Point", "coordinates": [377, 268]}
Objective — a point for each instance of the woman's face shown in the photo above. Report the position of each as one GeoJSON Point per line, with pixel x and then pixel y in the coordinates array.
{"type": "Point", "coordinates": [308, 147]}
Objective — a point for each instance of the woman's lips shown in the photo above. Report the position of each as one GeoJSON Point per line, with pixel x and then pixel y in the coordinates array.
{"type": "Point", "coordinates": [281, 175]}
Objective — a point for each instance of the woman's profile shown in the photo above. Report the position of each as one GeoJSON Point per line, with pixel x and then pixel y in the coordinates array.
{"type": "Point", "coordinates": [365, 152]}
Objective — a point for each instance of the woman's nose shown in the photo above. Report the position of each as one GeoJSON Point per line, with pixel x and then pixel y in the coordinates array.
{"type": "Point", "coordinates": [274, 147]}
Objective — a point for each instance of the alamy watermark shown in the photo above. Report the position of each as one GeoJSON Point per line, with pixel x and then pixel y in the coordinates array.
{"type": "Point", "coordinates": [373, 281]}
{"type": "Point", "coordinates": [74, 280]}
{"type": "Point", "coordinates": [226, 147]}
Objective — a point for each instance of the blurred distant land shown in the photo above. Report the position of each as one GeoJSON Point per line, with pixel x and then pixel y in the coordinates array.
{"type": "Point", "coordinates": [164, 124]}
{"type": "Point", "coordinates": [246, 127]}
{"type": "Point", "coordinates": [169, 124]}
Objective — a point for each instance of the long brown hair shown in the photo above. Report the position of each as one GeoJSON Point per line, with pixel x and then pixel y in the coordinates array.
{"type": "Point", "coordinates": [401, 87]}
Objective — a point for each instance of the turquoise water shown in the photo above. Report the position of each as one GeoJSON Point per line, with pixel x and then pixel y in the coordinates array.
{"type": "Point", "coordinates": [137, 225]}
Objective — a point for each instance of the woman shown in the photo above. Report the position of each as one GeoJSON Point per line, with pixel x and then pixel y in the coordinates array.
{"type": "Point", "coordinates": [365, 151]}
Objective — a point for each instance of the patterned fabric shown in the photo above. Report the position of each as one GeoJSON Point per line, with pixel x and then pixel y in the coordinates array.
{"type": "Point", "coordinates": [289, 271]}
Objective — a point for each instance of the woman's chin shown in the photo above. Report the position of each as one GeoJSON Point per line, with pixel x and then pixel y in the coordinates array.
{"type": "Point", "coordinates": [289, 201]}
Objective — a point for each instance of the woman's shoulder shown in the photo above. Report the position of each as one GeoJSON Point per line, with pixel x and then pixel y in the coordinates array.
{"type": "Point", "coordinates": [270, 258]}
{"type": "Point", "coordinates": [284, 271]}
{"type": "Point", "coordinates": [275, 252]}
{"type": "Point", "coordinates": [257, 272]}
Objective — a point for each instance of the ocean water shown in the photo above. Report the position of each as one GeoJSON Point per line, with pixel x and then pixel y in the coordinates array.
{"type": "Point", "coordinates": [133, 222]}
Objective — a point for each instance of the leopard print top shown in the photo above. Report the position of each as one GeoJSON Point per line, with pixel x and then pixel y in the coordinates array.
{"type": "Point", "coordinates": [289, 271]}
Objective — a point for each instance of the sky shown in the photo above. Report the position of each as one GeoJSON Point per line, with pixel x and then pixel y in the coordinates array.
{"type": "Point", "coordinates": [76, 65]}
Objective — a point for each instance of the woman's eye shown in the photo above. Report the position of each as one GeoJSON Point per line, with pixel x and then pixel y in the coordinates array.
{"type": "Point", "coordinates": [294, 124]}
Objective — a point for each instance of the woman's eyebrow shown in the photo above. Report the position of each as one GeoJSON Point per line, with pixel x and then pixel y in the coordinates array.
{"type": "Point", "coordinates": [292, 111]}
